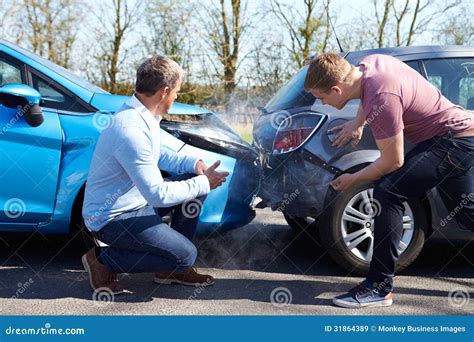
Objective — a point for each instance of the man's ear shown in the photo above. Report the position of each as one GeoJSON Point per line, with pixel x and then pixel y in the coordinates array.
{"type": "Point", "coordinates": [337, 89]}
{"type": "Point", "coordinates": [162, 93]}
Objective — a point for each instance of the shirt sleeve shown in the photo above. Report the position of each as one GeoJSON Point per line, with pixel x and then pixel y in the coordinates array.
{"type": "Point", "coordinates": [384, 115]}
{"type": "Point", "coordinates": [175, 162]}
{"type": "Point", "coordinates": [133, 150]}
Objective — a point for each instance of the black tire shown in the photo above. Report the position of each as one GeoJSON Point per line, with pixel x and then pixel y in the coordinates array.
{"type": "Point", "coordinates": [79, 231]}
{"type": "Point", "coordinates": [300, 224]}
{"type": "Point", "coordinates": [331, 235]}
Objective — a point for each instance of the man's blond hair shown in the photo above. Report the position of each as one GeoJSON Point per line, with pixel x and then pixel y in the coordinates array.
{"type": "Point", "coordinates": [326, 70]}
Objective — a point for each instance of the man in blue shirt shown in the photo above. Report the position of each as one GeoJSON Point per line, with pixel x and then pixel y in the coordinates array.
{"type": "Point", "coordinates": [126, 195]}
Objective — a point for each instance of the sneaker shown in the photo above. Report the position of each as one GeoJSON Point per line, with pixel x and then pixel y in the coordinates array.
{"type": "Point", "coordinates": [362, 296]}
{"type": "Point", "coordinates": [190, 277]}
{"type": "Point", "coordinates": [99, 275]}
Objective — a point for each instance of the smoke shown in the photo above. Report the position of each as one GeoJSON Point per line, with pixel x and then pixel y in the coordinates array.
{"type": "Point", "coordinates": [251, 247]}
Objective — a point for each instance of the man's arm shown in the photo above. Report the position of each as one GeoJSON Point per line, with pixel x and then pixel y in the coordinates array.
{"type": "Point", "coordinates": [174, 162]}
{"type": "Point", "coordinates": [385, 118]}
{"type": "Point", "coordinates": [134, 152]}
{"type": "Point", "coordinates": [391, 158]}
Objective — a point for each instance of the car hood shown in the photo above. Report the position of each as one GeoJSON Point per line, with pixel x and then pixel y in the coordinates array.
{"type": "Point", "coordinates": [112, 103]}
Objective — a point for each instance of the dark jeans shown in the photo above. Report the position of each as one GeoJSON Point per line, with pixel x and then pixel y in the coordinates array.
{"type": "Point", "coordinates": [443, 162]}
{"type": "Point", "coordinates": [139, 241]}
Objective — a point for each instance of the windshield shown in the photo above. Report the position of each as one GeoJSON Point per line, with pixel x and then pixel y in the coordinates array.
{"type": "Point", "coordinates": [58, 69]}
{"type": "Point", "coordinates": [291, 94]}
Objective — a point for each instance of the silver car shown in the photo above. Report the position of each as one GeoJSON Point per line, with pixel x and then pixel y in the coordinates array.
{"type": "Point", "coordinates": [299, 162]}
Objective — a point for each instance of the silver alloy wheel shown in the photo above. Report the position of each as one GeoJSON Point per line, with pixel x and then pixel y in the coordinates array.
{"type": "Point", "coordinates": [357, 225]}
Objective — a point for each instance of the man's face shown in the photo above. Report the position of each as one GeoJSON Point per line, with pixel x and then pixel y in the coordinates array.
{"type": "Point", "coordinates": [170, 96]}
{"type": "Point", "coordinates": [334, 97]}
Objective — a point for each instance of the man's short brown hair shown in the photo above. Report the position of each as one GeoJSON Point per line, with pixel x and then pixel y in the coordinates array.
{"type": "Point", "coordinates": [157, 72]}
{"type": "Point", "coordinates": [326, 70]}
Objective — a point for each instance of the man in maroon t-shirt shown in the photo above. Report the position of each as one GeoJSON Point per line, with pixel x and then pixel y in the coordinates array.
{"type": "Point", "coordinates": [396, 102]}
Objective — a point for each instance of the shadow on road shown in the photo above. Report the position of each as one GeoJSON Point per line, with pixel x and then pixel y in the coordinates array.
{"type": "Point", "coordinates": [51, 267]}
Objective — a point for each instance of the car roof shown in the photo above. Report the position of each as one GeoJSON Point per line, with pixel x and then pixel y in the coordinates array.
{"type": "Point", "coordinates": [414, 52]}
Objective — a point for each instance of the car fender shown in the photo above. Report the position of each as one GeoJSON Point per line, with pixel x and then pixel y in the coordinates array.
{"type": "Point", "coordinates": [355, 158]}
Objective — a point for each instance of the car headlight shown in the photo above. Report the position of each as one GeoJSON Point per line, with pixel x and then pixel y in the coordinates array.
{"type": "Point", "coordinates": [208, 132]}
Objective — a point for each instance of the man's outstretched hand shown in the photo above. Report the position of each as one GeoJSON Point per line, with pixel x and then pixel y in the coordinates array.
{"type": "Point", "coordinates": [215, 178]}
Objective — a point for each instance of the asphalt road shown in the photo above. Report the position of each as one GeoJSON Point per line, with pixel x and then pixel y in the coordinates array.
{"type": "Point", "coordinates": [262, 268]}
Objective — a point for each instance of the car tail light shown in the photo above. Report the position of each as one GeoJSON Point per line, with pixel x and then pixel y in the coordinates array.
{"type": "Point", "coordinates": [295, 130]}
{"type": "Point", "coordinates": [290, 139]}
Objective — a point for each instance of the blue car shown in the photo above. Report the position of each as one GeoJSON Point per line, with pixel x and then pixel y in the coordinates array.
{"type": "Point", "coordinates": [50, 121]}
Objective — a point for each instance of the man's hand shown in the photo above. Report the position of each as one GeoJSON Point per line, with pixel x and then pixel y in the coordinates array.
{"type": "Point", "coordinates": [215, 178]}
{"type": "Point", "coordinates": [350, 131]}
{"type": "Point", "coordinates": [344, 182]}
{"type": "Point", "coordinates": [200, 168]}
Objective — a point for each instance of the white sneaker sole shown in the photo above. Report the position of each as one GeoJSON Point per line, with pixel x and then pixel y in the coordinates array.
{"type": "Point", "coordinates": [88, 270]}
{"type": "Point", "coordinates": [344, 304]}
{"type": "Point", "coordinates": [163, 281]}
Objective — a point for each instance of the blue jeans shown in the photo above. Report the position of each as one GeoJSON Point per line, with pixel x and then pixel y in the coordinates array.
{"type": "Point", "coordinates": [139, 241]}
{"type": "Point", "coordinates": [443, 162]}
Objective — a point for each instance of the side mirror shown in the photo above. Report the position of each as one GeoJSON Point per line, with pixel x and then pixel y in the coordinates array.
{"type": "Point", "coordinates": [25, 99]}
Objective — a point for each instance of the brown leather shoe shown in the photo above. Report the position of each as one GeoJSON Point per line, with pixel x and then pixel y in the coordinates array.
{"type": "Point", "coordinates": [99, 275]}
{"type": "Point", "coordinates": [190, 277]}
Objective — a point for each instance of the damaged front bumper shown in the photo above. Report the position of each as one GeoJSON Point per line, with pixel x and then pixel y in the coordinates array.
{"type": "Point", "coordinates": [228, 206]}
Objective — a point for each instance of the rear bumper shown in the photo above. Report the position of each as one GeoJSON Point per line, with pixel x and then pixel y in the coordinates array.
{"type": "Point", "coordinates": [295, 183]}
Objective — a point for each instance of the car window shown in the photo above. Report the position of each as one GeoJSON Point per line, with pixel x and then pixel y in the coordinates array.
{"type": "Point", "coordinates": [414, 65]}
{"type": "Point", "coordinates": [53, 97]}
{"type": "Point", "coordinates": [9, 73]}
{"type": "Point", "coordinates": [454, 77]}
{"type": "Point", "coordinates": [292, 94]}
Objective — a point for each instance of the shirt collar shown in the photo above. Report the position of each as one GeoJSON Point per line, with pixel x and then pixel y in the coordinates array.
{"type": "Point", "coordinates": [150, 119]}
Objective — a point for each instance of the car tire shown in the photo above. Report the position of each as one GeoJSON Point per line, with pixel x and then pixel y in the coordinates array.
{"type": "Point", "coordinates": [301, 224]}
{"type": "Point", "coordinates": [79, 231]}
{"type": "Point", "coordinates": [334, 233]}
{"type": "Point", "coordinates": [88, 239]}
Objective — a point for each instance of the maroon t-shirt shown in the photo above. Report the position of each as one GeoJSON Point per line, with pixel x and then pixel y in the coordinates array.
{"type": "Point", "coordinates": [395, 97]}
